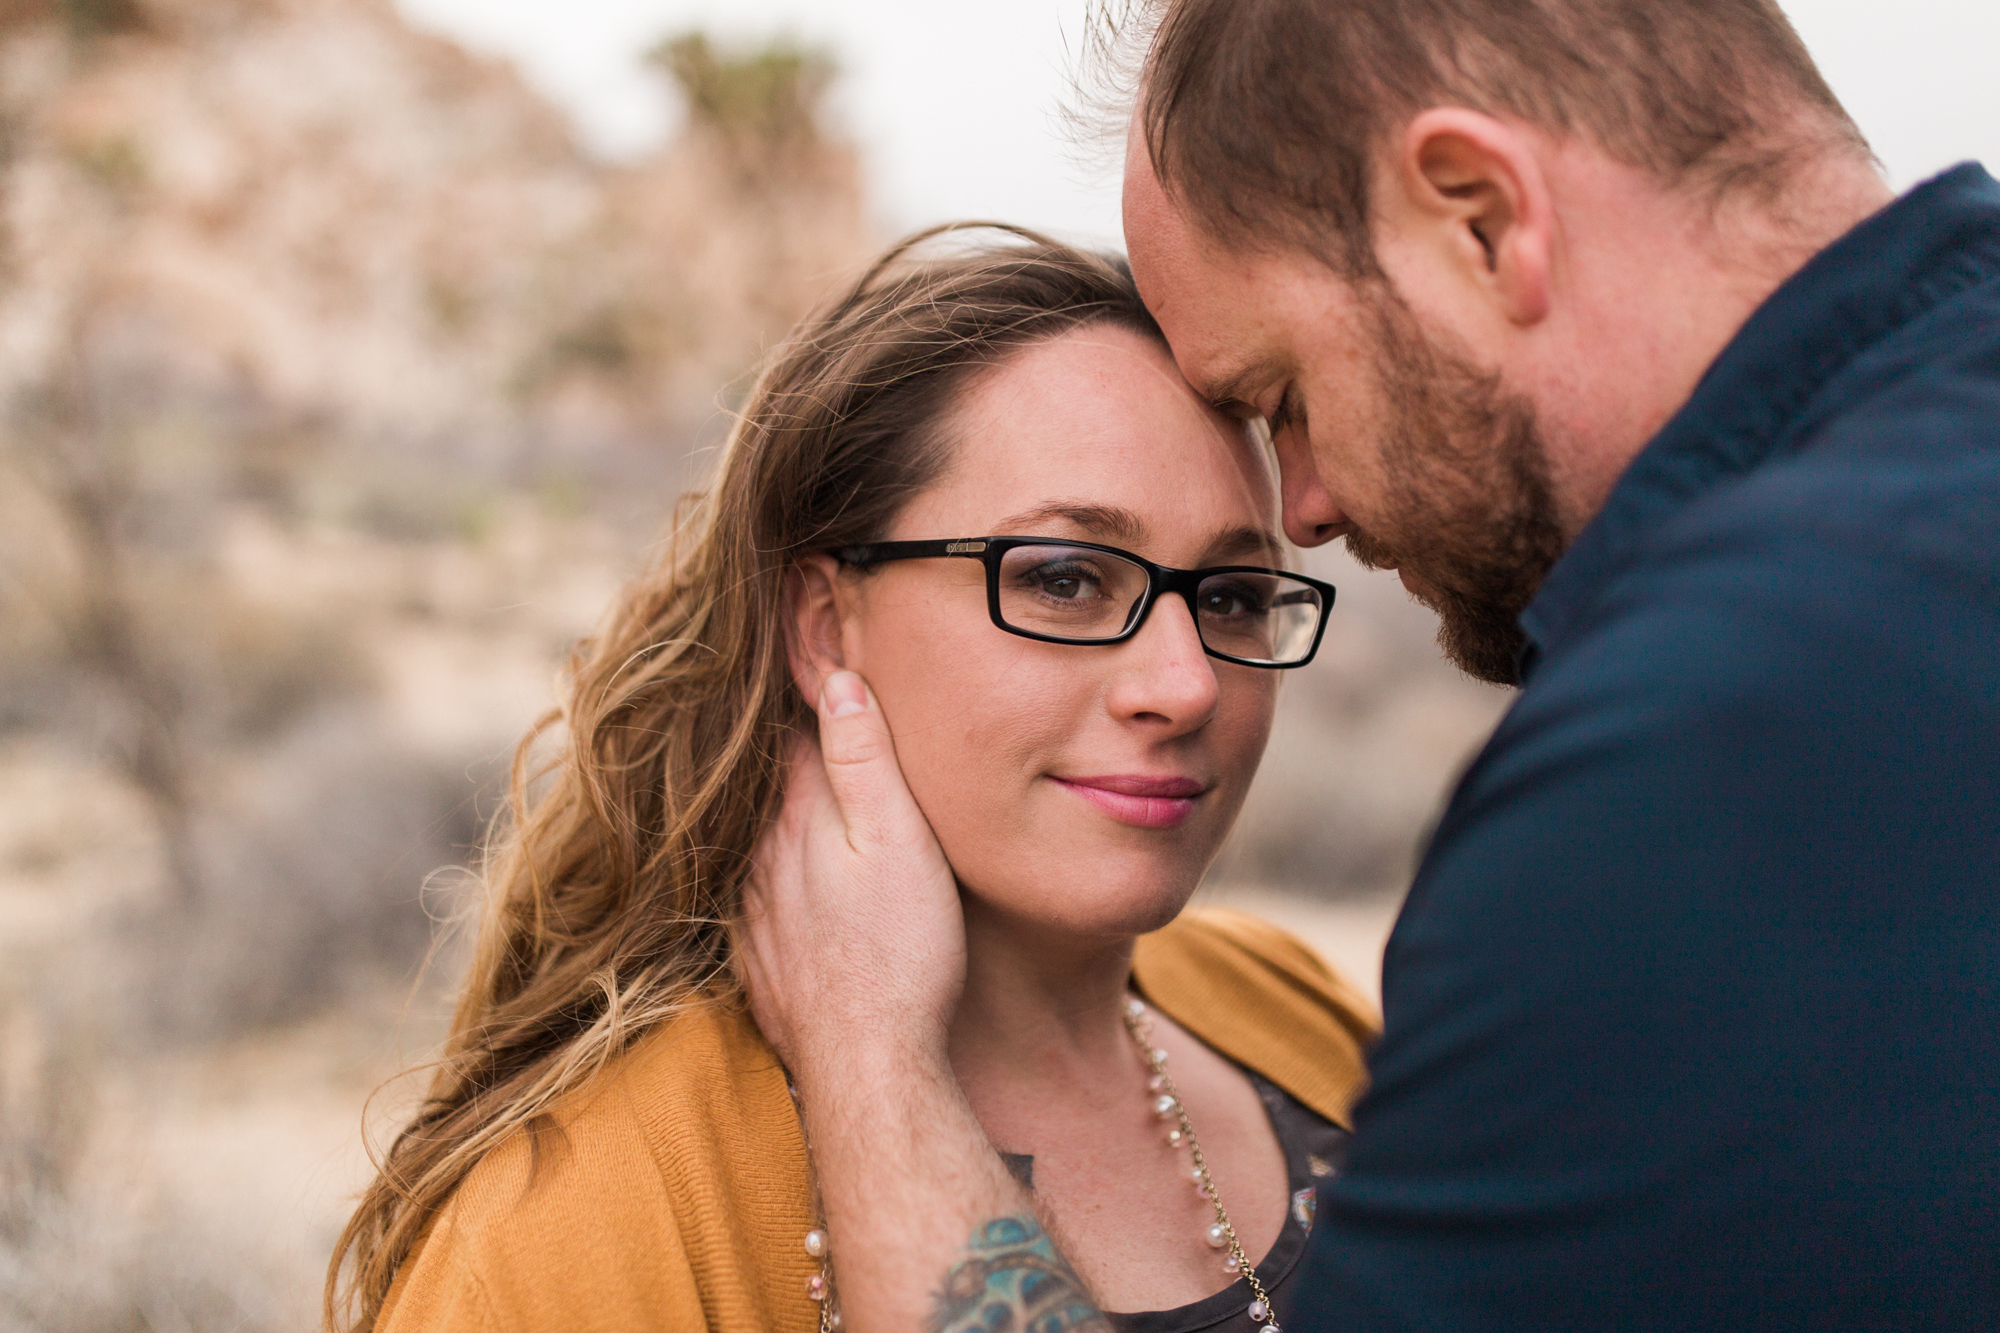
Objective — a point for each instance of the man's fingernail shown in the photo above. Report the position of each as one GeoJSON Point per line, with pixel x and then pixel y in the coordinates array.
{"type": "Point", "coordinates": [845, 693]}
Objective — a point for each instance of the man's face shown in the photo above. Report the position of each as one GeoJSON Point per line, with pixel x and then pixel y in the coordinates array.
{"type": "Point", "coordinates": [1387, 434]}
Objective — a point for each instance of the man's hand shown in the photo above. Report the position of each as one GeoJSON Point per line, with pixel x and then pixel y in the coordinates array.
{"type": "Point", "coordinates": [852, 942]}
{"type": "Point", "coordinates": [852, 948]}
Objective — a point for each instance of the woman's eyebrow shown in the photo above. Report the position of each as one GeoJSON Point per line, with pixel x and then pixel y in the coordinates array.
{"type": "Point", "coordinates": [1115, 525]}
{"type": "Point", "coordinates": [1111, 523]}
{"type": "Point", "coordinates": [1236, 543]}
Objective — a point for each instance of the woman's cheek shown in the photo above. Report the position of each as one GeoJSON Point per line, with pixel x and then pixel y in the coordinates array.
{"type": "Point", "coordinates": [972, 779]}
{"type": "Point", "coordinates": [964, 722]}
{"type": "Point", "coordinates": [1245, 726]}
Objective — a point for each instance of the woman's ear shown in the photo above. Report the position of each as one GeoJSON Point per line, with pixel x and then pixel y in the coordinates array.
{"type": "Point", "coordinates": [814, 625]}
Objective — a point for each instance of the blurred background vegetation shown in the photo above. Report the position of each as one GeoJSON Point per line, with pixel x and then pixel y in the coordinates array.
{"type": "Point", "coordinates": [338, 392]}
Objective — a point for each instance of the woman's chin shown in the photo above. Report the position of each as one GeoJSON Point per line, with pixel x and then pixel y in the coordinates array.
{"type": "Point", "coordinates": [1110, 906]}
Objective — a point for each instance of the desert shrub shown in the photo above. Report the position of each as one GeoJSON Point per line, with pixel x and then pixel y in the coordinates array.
{"type": "Point", "coordinates": [77, 1268]}
{"type": "Point", "coordinates": [325, 871]}
{"type": "Point", "coordinates": [68, 1264]}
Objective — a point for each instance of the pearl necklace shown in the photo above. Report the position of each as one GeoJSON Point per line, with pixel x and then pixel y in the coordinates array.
{"type": "Point", "coordinates": [1221, 1234]}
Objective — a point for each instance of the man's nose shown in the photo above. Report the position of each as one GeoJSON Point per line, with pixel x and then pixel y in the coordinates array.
{"type": "Point", "coordinates": [1311, 516]}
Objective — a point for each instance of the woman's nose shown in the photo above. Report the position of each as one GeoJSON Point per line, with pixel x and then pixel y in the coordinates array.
{"type": "Point", "coordinates": [1167, 676]}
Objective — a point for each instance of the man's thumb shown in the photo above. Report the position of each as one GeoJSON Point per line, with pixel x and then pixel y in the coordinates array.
{"type": "Point", "coordinates": [860, 757]}
{"type": "Point", "coordinates": [843, 694]}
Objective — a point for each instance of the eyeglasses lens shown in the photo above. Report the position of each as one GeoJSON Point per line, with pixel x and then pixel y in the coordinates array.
{"type": "Point", "coordinates": [1257, 617]}
{"type": "Point", "coordinates": [1068, 592]}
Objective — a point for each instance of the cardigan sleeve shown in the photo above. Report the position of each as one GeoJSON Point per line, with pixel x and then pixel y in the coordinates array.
{"type": "Point", "coordinates": [437, 1290]}
{"type": "Point", "coordinates": [566, 1231]}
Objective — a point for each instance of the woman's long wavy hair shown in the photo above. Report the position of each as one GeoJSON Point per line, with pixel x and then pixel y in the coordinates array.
{"type": "Point", "coordinates": [613, 876]}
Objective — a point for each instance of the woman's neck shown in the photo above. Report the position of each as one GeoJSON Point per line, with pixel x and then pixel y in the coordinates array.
{"type": "Point", "coordinates": [1041, 1006]}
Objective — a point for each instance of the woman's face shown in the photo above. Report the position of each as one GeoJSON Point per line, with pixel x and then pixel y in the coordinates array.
{"type": "Point", "coordinates": [1083, 788]}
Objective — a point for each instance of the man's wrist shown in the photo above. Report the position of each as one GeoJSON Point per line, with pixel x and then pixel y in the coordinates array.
{"type": "Point", "coordinates": [842, 1070]}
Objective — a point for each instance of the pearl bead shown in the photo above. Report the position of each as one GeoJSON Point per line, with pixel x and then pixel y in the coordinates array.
{"type": "Point", "coordinates": [834, 1321]}
{"type": "Point", "coordinates": [1164, 1106]}
{"type": "Point", "coordinates": [1174, 1137]}
{"type": "Point", "coordinates": [1259, 1312]}
{"type": "Point", "coordinates": [1218, 1235]}
{"type": "Point", "coordinates": [1157, 1083]}
{"type": "Point", "coordinates": [1134, 1008]}
{"type": "Point", "coordinates": [816, 1288]}
{"type": "Point", "coordinates": [816, 1244]}
{"type": "Point", "coordinates": [1159, 1056]}
{"type": "Point", "coordinates": [1195, 1174]}
{"type": "Point", "coordinates": [1232, 1265]}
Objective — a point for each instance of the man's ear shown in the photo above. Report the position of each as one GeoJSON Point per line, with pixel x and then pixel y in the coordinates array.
{"type": "Point", "coordinates": [814, 628]}
{"type": "Point", "coordinates": [1479, 183]}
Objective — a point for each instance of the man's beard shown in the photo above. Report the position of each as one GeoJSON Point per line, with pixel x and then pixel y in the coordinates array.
{"type": "Point", "coordinates": [1472, 513]}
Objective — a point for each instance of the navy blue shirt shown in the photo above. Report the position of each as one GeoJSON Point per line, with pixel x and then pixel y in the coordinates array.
{"type": "Point", "coordinates": [1693, 1016]}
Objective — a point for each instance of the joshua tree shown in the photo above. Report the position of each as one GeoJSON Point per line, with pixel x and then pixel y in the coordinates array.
{"type": "Point", "coordinates": [762, 106]}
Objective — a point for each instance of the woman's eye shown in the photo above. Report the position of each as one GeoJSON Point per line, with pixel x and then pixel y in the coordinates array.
{"type": "Point", "coordinates": [1233, 601]}
{"type": "Point", "coordinates": [1065, 584]}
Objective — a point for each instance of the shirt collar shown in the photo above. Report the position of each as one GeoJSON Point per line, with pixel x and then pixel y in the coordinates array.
{"type": "Point", "coordinates": [1928, 245]}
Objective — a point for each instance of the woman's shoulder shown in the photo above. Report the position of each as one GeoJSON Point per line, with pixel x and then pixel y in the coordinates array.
{"type": "Point", "coordinates": [661, 1194]}
{"type": "Point", "coordinates": [1265, 998]}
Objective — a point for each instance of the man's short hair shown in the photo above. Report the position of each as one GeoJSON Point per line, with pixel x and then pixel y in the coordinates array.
{"type": "Point", "coordinates": [1264, 117]}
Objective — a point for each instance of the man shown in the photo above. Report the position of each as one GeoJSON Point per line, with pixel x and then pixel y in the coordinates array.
{"type": "Point", "coordinates": [1596, 321]}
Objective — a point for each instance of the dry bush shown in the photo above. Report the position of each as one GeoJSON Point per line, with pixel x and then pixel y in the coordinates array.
{"type": "Point", "coordinates": [315, 873]}
{"type": "Point", "coordinates": [294, 832]}
{"type": "Point", "coordinates": [45, 1111]}
{"type": "Point", "coordinates": [68, 1263]}
{"type": "Point", "coordinates": [90, 1274]}
{"type": "Point", "coordinates": [314, 855]}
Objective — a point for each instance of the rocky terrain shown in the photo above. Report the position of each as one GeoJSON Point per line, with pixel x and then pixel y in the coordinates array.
{"type": "Point", "coordinates": [305, 209]}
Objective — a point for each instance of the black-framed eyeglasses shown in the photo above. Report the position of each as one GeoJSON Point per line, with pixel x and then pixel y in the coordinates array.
{"type": "Point", "coordinates": [1084, 593]}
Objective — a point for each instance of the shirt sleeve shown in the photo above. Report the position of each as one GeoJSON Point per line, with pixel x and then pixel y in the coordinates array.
{"type": "Point", "coordinates": [1683, 1012]}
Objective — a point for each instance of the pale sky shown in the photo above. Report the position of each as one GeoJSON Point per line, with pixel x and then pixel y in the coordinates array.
{"type": "Point", "coordinates": [954, 102]}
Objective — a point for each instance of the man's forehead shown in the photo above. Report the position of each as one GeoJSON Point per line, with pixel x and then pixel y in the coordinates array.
{"type": "Point", "coordinates": [1201, 291]}
{"type": "Point", "coordinates": [1161, 244]}
{"type": "Point", "coordinates": [1225, 351]}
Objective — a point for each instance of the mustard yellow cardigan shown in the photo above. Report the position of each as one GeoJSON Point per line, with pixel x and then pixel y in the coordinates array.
{"type": "Point", "coordinates": [680, 1197]}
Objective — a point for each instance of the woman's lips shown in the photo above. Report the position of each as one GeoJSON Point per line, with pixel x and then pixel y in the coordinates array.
{"type": "Point", "coordinates": [1140, 801]}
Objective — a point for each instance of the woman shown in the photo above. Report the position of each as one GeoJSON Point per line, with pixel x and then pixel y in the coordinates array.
{"type": "Point", "coordinates": [977, 479]}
